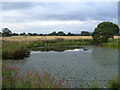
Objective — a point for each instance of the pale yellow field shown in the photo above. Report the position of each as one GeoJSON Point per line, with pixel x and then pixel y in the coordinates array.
{"type": "Point", "coordinates": [36, 38]}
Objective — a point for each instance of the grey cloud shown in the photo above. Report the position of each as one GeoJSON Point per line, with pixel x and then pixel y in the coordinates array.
{"type": "Point", "coordinates": [81, 11]}
{"type": "Point", "coordinates": [16, 5]}
{"type": "Point", "coordinates": [64, 11]}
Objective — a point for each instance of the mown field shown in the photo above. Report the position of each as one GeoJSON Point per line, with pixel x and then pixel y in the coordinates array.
{"type": "Point", "coordinates": [36, 38]}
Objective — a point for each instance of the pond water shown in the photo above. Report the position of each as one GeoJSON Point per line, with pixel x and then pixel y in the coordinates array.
{"type": "Point", "coordinates": [78, 66]}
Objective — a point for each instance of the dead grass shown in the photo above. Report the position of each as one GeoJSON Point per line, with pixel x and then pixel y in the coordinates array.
{"type": "Point", "coordinates": [36, 38]}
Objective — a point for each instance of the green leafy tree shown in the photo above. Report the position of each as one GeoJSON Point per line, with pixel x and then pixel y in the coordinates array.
{"type": "Point", "coordinates": [85, 33]}
{"type": "Point", "coordinates": [6, 32]}
{"type": "Point", "coordinates": [104, 31]}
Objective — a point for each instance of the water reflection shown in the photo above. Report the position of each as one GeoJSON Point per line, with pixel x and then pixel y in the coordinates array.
{"type": "Point", "coordinates": [58, 49]}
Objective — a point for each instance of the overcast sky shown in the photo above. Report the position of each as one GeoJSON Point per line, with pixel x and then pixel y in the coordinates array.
{"type": "Point", "coordinates": [46, 17]}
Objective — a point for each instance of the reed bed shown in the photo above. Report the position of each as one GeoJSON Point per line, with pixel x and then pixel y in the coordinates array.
{"type": "Point", "coordinates": [14, 50]}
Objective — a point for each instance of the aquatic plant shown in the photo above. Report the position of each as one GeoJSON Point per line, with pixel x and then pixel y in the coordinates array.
{"type": "Point", "coordinates": [31, 79]}
{"type": "Point", "coordinates": [94, 86]}
{"type": "Point", "coordinates": [113, 83]}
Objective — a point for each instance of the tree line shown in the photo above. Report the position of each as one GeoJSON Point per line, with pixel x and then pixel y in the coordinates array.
{"type": "Point", "coordinates": [7, 32]}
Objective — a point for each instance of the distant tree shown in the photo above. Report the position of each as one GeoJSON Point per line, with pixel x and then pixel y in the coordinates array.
{"type": "Point", "coordinates": [41, 34]}
{"type": "Point", "coordinates": [104, 31]}
{"type": "Point", "coordinates": [0, 34]}
{"type": "Point", "coordinates": [34, 34]}
{"type": "Point", "coordinates": [70, 34]}
{"type": "Point", "coordinates": [23, 34]}
{"type": "Point", "coordinates": [6, 32]}
{"type": "Point", "coordinates": [61, 33]}
{"type": "Point", "coordinates": [14, 34]}
{"type": "Point", "coordinates": [29, 34]}
{"type": "Point", "coordinates": [52, 34]}
{"type": "Point", "coordinates": [85, 33]}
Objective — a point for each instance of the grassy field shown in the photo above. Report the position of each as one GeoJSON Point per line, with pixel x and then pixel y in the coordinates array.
{"type": "Point", "coordinates": [36, 38]}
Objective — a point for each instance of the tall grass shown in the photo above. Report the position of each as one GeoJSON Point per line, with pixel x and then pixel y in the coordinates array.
{"type": "Point", "coordinates": [31, 79]}
{"type": "Point", "coordinates": [114, 82]}
{"type": "Point", "coordinates": [14, 50]}
{"type": "Point", "coordinates": [112, 44]}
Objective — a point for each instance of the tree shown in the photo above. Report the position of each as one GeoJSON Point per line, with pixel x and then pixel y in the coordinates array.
{"type": "Point", "coordinates": [52, 34]}
{"type": "Point", "coordinates": [34, 34]}
{"type": "Point", "coordinates": [41, 34]}
{"type": "Point", "coordinates": [14, 34]}
{"type": "Point", "coordinates": [23, 34]}
{"type": "Point", "coordinates": [61, 33]}
{"type": "Point", "coordinates": [70, 34]}
{"type": "Point", "coordinates": [29, 34]}
{"type": "Point", "coordinates": [6, 32]}
{"type": "Point", "coordinates": [85, 33]}
{"type": "Point", "coordinates": [104, 31]}
{"type": "Point", "coordinates": [0, 34]}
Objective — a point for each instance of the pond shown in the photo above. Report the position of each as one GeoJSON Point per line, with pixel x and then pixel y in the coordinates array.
{"type": "Point", "coordinates": [77, 66]}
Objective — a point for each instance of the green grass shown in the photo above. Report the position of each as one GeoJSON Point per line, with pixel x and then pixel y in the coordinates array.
{"type": "Point", "coordinates": [94, 86]}
{"type": "Point", "coordinates": [14, 50]}
{"type": "Point", "coordinates": [30, 79]}
{"type": "Point", "coordinates": [112, 44]}
{"type": "Point", "coordinates": [114, 82]}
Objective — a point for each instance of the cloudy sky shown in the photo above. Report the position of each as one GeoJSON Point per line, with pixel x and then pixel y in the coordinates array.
{"type": "Point", "coordinates": [46, 17]}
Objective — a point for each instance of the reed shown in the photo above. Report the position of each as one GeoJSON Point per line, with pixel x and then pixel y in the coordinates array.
{"type": "Point", "coordinates": [14, 50]}
{"type": "Point", "coordinates": [30, 79]}
{"type": "Point", "coordinates": [112, 44]}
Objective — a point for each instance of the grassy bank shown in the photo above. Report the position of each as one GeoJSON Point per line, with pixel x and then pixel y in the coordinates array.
{"type": "Point", "coordinates": [113, 43]}
{"type": "Point", "coordinates": [32, 79]}
{"type": "Point", "coordinates": [14, 50]}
